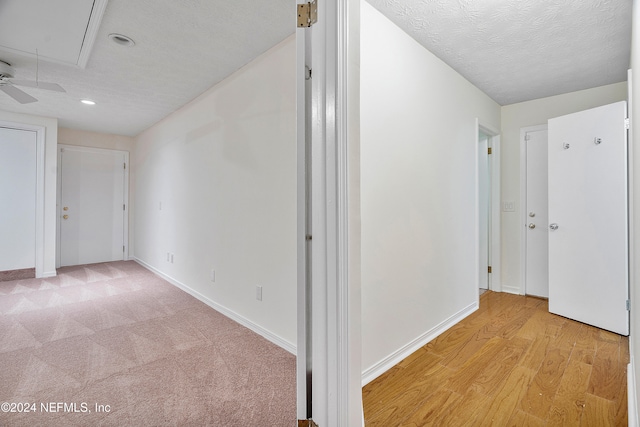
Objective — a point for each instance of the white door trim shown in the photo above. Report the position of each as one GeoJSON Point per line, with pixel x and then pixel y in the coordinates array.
{"type": "Point", "coordinates": [59, 194]}
{"type": "Point", "coordinates": [495, 282]}
{"type": "Point", "coordinates": [40, 170]}
{"type": "Point", "coordinates": [523, 203]}
{"type": "Point", "coordinates": [335, 317]}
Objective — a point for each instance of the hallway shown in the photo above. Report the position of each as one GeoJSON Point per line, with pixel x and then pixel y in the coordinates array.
{"type": "Point", "coordinates": [509, 363]}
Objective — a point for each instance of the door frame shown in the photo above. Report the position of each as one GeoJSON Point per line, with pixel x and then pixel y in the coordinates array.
{"type": "Point", "coordinates": [40, 195]}
{"type": "Point", "coordinates": [329, 257]}
{"type": "Point", "coordinates": [60, 149]}
{"type": "Point", "coordinates": [495, 281]}
{"type": "Point", "coordinates": [522, 288]}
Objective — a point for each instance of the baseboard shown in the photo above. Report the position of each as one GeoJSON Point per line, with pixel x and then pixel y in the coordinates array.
{"type": "Point", "coordinates": [511, 289]}
{"type": "Point", "coordinates": [396, 357]}
{"type": "Point", "coordinates": [223, 310]}
{"type": "Point", "coordinates": [19, 274]}
{"type": "Point", "coordinates": [47, 274]}
{"type": "Point", "coordinates": [632, 397]}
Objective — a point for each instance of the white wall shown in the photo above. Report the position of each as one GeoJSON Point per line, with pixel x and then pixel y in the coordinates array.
{"type": "Point", "coordinates": [215, 184]}
{"type": "Point", "coordinates": [419, 192]}
{"type": "Point", "coordinates": [515, 117]}
{"type": "Point", "coordinates": [85, 138]}
{"type": "Point", "coordinates": [50, 125]}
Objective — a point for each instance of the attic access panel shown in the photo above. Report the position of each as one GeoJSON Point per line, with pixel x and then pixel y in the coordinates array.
{"type": "Point", "coordinates": [63, 31]}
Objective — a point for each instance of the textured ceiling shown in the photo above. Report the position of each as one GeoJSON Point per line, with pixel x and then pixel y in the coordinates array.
{"type": "Point", "coordinates": [514, 50]}
{"type": "Point", "coordinates": [183, 47]}
{"type": "Point", "coordinates": [518, 50]}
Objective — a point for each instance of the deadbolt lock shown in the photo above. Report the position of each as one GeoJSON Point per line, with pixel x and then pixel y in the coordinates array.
{"type": "Point", "coordinates": [65, 216]}
{"type": "Point", "coordinates": [66, 208]}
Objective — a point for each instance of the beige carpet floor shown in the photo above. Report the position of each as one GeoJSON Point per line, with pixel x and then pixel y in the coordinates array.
{"type": "Point", "coordinates": [115, 345]}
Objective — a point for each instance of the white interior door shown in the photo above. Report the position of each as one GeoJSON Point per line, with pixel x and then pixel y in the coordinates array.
{"type": "Point", "coordinates": [92, 206]}
{"type": "Point", "coordinates": [18, 199]}
{"type": "Point", "coordinates": [536, 248]}
{"type": "Point", "coordinates": [588, 279]}
{"type": "Point", "coordinates": [484, 202]}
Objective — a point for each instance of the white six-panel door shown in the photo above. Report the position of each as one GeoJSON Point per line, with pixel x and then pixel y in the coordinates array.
{"type": "Point", "coordinates": [588, 279]}
{"type": "Point", "coordinates": [92, 205]}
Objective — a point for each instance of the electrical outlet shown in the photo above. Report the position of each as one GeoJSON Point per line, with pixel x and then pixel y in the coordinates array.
{"type": "Point", "coordinates": [508, 206]}
{"type": "Point", "coordinates": [213, 275]}
{"type": "Point", "coordinates": [259, 293]}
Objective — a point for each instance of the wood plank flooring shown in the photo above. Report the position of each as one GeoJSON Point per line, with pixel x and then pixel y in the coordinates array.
{"type": "Point", "coordinates": [511, 363]}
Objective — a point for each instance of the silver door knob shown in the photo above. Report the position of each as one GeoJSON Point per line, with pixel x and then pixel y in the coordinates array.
{"type": "Point", "coordinates": [553, 226]}
{"type": "Point", "coordinates": [532, 226]}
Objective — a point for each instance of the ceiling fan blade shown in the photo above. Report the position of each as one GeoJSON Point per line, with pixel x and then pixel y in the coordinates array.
{"type": "Point", "coordinates": [17, 94]}
{"type": "Point", "coordinates": [40, 85]}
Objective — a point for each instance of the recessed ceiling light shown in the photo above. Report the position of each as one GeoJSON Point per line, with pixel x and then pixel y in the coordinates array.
{"type": "Point", "coordinates": [121, 39]}
{"type": "Point", "coordinates": [88, 102]}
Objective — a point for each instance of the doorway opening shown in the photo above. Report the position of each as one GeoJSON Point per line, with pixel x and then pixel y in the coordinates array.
{"type": "Point", "coordinates": [93, 206]}
{"type": "Point", "coordinates": [31, 234]}
{"type": "Point", "coordinates": [535, 252]}
{"type": "Point", "coordinates": [488, 207]}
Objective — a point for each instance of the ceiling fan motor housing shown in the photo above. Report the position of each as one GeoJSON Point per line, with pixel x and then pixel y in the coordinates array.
{"type": "Point", "coordinates": [6, 72]}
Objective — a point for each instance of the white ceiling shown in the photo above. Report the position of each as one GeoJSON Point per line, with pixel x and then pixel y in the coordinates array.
{"type": "Point", "coordinates": [518, 50]}
{"type": "Point", "coordinates": [62, 31]}
{"type": "Point", "coordinates": [514, 50]}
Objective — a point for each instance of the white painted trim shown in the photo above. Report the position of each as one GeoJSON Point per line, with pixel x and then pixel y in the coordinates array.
{"type": "Point", "coordinates": [90, 35]}
{"type": "Point", "coordinates": [495, 280]}
{"type": "Point", "coordinates": [495, 283]}
{"type": "Point", "coordinates": [632, 391]}
{"type": "Point", "coordinates": [334, 352]}
{"type": "Point", "coordinates": [40, 196]}
{"type": "Point", "coordinates": [521, 289]}
{"type": "Point", "coordinates": [511, 289]}
{"type": "Point", "coordinates": [632, 398]}
{"type": "Point", "coordinates": [396, 357]}
{"type": "Point", "coordinates": [303, 332]}
{"type": "Point", "coordinates": [275, 339]}
{"type": "Point", "coordinates": [125, 254]}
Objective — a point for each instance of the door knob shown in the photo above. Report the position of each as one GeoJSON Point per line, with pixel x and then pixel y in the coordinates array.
{"type": "Point", "coordinates": [532, 226]}
{"type": "Point", "coordinates": [66, 208]}
{"type": "Point", "coordinates": [553, 226]}
{"type": "Point", "coordinates": [532, 214]}
{"type": "Point", "coordinates": [65, 216]}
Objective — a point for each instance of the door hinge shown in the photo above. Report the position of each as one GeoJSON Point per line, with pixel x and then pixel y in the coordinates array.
{"type": "Point", "coordinates": [489, 269]}
{"type": "Point", "coordinates": [526, 137]}
{"type": "Point", "coordinates": [124, 166]}
{"type": "Point", "coordinates": [124, 208]}
{"type": "Point", "coordinates": [627, 123]}
{"type": "Point", "coordinates": [489, 150]}
{"type": "Point", "coordinates": [307, 14]}
{"type": "Point", "coordinates": [123, 249]}
{"type": "Point", "coordinates": [628, 305]}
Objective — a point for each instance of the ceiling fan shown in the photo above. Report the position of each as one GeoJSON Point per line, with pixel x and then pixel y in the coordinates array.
{"type": "Point", "coordinates": [8, 85]}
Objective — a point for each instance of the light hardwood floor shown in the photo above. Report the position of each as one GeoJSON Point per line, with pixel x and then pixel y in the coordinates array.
{"type": "Point", "coordinates": [511, 363]}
